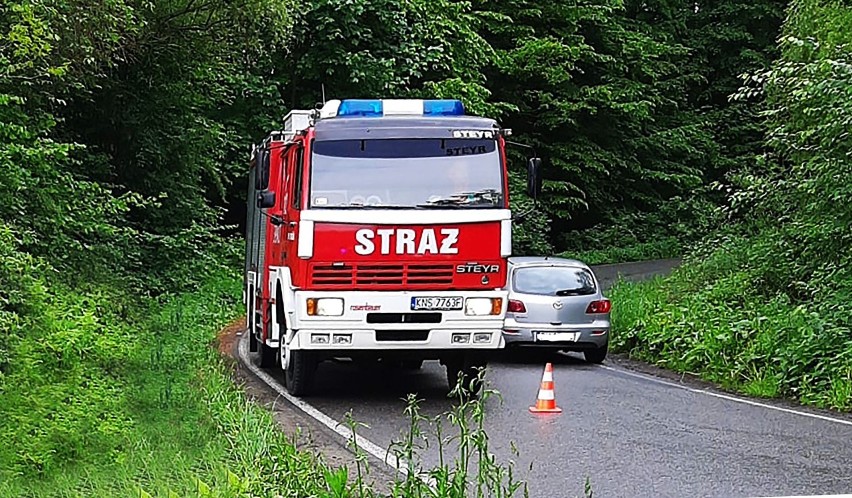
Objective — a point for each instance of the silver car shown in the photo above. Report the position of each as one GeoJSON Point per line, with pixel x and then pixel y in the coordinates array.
{"type": "Point", "coordinates": [556, 303]}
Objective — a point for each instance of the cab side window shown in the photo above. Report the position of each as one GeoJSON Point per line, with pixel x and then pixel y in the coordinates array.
{"type": "Point", "coordinates": [285, 179]}
{"type": "Point", "coordinates": [297, 176]}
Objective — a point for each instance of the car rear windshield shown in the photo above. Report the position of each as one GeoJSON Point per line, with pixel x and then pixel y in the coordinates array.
{"type": "Point", "coordinates": [554, 281]}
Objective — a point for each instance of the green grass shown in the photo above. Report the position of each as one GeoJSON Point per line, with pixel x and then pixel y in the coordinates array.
{"type": "Point", "coordinates": [104, 398]}
{"type": "Point", "coordinates": [717, 317]}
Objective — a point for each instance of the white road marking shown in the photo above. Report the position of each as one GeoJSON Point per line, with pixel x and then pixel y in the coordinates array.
{"type": "Point", "coordinates": [811, 496]}
{"type": "Point", "coordinates": [398, 464]}
{"type": "Point", "coordinates": [730, 398]}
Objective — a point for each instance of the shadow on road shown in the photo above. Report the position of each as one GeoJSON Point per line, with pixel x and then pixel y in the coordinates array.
{"type": "Point", "coordinates": [532, 356]}
{"type": "Point", "coordinates": [344, 380]}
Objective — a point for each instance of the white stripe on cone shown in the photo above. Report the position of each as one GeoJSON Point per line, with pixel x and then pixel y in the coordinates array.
{"type": "Point", "coordinates": [547, 377]}
{"type": "Point", "coordinates": [546, 394]}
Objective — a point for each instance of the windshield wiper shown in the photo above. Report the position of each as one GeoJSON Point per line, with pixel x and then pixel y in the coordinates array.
{"type": "Point", "coordinates": [406, 206]}
{"type": "Point", "coordinates": [583, 291]}
{"type": "Point", "coordinates": [364, 206]}
{"type": "Point", "coordinates": [454, 206]}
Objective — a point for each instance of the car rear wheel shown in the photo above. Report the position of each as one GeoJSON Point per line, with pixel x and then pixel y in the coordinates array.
{"type": "Point", "coordinates": [597, 355]}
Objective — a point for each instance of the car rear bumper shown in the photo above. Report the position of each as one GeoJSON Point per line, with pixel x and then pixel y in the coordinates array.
{"type": "Point", "coordinates": [589, 336]}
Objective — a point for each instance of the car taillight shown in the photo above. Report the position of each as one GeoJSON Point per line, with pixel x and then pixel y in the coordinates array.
{"type": "Point", "coordinates": [598, 307]}
{"type": "Point", "coordinates": [516, 306]}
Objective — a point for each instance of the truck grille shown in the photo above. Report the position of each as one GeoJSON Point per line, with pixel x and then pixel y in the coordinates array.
{"type": "Point", "coordinates": [378, 275]}
{"type": "Point", "coordinates": [420, 317]}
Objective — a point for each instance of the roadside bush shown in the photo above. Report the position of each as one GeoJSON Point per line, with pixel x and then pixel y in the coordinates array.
{"type": "Point", "coordinates": [21, 293]}
{"type": "Point", "coordinates": [765, 305]}
{"type": "Point", "coordinates": [104, 393]}
{"type": "Point", "coordinates": [717, 318]}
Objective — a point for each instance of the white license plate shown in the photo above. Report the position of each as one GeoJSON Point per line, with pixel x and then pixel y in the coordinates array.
{"type": "Point", "coordinates": [436, 303]}
{"type": "Point", "coordinates": [557, 336]}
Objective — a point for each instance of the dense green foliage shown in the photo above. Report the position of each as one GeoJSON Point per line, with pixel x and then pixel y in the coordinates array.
{"type": "Point", "coordinates": [150, 108]}
{"type": "Point", "coordinates": [124, 124]}
{"type": "Point", "coordinates": [764, 305]}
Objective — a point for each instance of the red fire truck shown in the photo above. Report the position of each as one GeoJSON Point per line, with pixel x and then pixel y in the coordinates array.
{"type": "Point", "coordinates": [378, 230]}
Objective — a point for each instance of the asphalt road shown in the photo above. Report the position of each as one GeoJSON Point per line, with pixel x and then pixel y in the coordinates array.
{"type": "Point", "coordinates": [631, 434]}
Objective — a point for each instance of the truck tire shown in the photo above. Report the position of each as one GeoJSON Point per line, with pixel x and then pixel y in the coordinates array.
{"type": "Point", "coordinates": [469, 369]}
{"type": "Point", "coordinates": [299, 375]}
{"type": "Point", "coordinates": [268, 356]}
{"type": "Point", "coordinates": [252, 340]}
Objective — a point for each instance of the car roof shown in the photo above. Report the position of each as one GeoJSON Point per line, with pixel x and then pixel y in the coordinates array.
{"type": "Point", "coordinates": [545, 260]}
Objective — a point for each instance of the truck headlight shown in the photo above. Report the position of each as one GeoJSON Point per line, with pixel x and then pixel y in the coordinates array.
{"type": "Point", "coordinates": [325, 306]}
{"type": "Point", "coordinates": [479, 306]}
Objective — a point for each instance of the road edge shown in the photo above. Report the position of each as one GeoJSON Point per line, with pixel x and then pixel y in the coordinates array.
{"type": "Point", "coordinates": [338, 427]}
{"type": "Point", "coordinates": [397, 464]}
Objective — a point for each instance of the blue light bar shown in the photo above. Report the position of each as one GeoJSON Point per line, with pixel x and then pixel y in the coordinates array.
{"type": "Point", "coordinates": [360, 107]}
{"type": "Point", "coordinates": [398, 107]}
{"type": "Point", "coordinates": [446, 107]}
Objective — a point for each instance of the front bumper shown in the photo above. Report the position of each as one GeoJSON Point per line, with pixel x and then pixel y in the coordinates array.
{"type": "Point", "coordinates": [570, 337]}
{"type": "Point", "coordinates": [354, 330]}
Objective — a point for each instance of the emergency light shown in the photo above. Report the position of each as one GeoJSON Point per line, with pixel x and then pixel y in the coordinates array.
{"type": "Point", "coordinates": [393, 107]}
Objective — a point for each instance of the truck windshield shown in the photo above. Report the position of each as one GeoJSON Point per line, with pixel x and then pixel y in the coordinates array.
{"type": "Point", "coordinates": [406, 173]}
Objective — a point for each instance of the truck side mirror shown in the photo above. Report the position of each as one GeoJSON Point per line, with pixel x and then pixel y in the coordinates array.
{"type": "Point", "coordinates": [266, 199]}
{"type": "Point", "coordinates": [262, 170]}
{"type": "Point", "coordinates": [534, 178]}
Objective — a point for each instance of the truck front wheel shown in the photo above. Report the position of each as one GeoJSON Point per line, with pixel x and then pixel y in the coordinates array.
{"type": "Point", "coordinates": [299, 369]}
{"type": "Point", "coordinates": [267, 356]}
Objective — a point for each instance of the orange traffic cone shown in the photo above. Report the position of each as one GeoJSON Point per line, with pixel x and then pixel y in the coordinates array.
{"type": "Point", "coordinates": [546, 402]}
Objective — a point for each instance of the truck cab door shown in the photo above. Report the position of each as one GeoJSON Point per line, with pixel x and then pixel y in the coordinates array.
{"type": "Point", "coordinates": [279, 237]}
{"type": "Point", "coordinates": [295, 177]}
